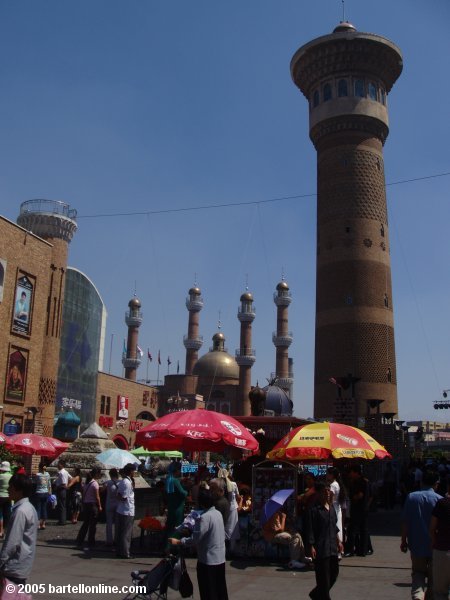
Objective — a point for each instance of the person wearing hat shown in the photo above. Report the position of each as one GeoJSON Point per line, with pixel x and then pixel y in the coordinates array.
{"type": "Point", "coordinates": [5, 502]}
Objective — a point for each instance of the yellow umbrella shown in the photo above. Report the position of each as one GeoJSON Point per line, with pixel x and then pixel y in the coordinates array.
{"type": "Point", "coordinates": [319, 441]}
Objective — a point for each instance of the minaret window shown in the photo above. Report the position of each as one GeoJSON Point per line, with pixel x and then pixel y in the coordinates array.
{"type": "Point", "coordinates": [382, 96]}
{"type": "Point", "coordinates": [386, 301]}
{"type": "Point", "coordinates": [372, 91]}
{"type": "Point", "coordinates": [382, 230]}
{"type": "Point", "coordinates": [359, 88]}
{"type": "Point", "coordinates": [389, 375]}
{"type": "Point", "coordinates": [342, 88]}
{"type": "Point", "coordinates": [316, 98]}
{"type": "Point", "coordinates": [327, 94]}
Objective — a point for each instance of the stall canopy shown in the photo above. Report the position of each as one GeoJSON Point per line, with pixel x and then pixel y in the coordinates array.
{"type": "Point", "coordinates": [196, 430]}
{"type": "Point", "coordinates": [141, 451]}
{"type": "Point", "coordinates": [316, 441]}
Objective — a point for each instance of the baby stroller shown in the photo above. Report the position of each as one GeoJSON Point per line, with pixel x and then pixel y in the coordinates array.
{"type": "Point", "coordinates": [155, 581]}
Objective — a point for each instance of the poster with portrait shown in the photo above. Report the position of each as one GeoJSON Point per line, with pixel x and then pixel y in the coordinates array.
{"type": "Point", "coordinates": [17, 374]}
{"type": "Point", "coordinates": [122, 407]}
{"type": "Point", "coordinates": [2, 276]}
{"type": "Point", "coordinates": [23, 304]}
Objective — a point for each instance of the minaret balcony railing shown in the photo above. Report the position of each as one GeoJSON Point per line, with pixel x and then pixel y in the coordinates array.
{"type": "Point", "coordinates": [131, 363]}
{"type": "Point", "coordinates": [284, 382]}
{"type": "Point", "coordinates": [48, 207]}
{"type": "Point", "coordinates": [282, 340]}
{"type": "Point", "coordinates": [194, 304]}
{"type": "Point", "coordinates": [282, 298]}
{"type": "Point", "coordinates": [193, 343]}
{"type": "Point", "coordinates": [134, 319]}
{"type": "Point", "coordinates": [245, 357]}
{"type": "Point", "coordinates": [246, 313]}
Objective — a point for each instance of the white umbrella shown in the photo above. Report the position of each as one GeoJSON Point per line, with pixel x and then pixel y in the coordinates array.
{"type": "Point", "coordinates": [115, 457]}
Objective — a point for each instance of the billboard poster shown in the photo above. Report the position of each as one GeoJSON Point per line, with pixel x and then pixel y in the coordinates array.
{"type": "Point", "coordinates": [2, 276]}
{"type": "Point", "coordinates": [22, 305]}
{"type": "Point", "coordinates": [122, 407]}
{"type": "Point", "coordinates": [17, 373]}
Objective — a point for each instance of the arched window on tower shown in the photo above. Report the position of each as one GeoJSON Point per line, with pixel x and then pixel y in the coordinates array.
{"type": "Point", "coordinates": [342, 88]}
{"type": "Point", "coordinates": [382, 230]}
{"type": "Point", "coordinates": [386, 301]}
{"type": "Point", "coordinates": [382, 96]}
{"type": "Point", "coordinates": [372, 88]}
{"type": "Point", "coordinates": [389, 375]}
{"type": "Point", "coordinates": [359, 88]}
{"type": "Point", "coordinates": [316, 98]}
{"type": "Point", "coordinates": [327, 93]}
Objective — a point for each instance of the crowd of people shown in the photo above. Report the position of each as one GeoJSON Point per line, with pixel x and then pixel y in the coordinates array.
{"type": "Point", "coordinates": [206, 509]}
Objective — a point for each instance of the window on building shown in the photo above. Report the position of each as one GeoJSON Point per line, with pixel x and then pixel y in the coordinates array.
{"type": "Point", "coordinates": [382, 230]}
{"type": "Point", "coordinates": [327, 94]}
{"type": "Point", "coordinates": [389, 375]}
{"type": "Point", "coordinates": [383, 96]}
{"type": "Point", "coordinates": [342, 88]}
{"type": "Point", "coordinates": [102, 405]}
{"type": "Point", "coordinates": [386, 301]}
{"type": "Point", "coordinates": [316, 98]}
{"type": "Point", "coordinates": [372, 88]}
{"type": "Point", "coordinates": [108, 405]}
{"type": "Point", "coordinates": [359, 88]}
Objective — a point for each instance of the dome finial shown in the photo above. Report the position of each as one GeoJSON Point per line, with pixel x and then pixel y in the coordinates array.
{"type": "Point", "coordinates": [219, 324]}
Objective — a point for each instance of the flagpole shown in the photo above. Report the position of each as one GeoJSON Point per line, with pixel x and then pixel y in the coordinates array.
{"type": "Point", "coordinates": [146, 375]}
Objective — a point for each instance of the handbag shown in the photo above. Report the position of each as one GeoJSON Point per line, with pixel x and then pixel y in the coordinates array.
{"type": "Point", "coordinates": [185, 587]}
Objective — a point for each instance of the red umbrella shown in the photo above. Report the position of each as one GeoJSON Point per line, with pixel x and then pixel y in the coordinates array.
{"type": "Point", "coordinates": [196, 430]}
{"type": "Point", "coordinates": [31, 443]}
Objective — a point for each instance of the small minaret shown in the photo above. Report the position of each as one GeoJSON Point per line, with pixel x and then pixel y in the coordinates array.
{"type": "Point", "coordinates": [245, 355]}
{"type": "Point", "coordinates": [133, 319]}
{"type": "Point", "coordinates": [55, 222]}
{"type": "Point", "coordinates": [282, 338]}
{"type": "Point", "coordinates": [193, 341]}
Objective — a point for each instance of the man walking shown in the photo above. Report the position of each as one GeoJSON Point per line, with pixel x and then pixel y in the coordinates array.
{"type": "Point", "coordinates": [17, 554]}
{"type": "Point", "coordinates": [125, 512]}
{"type": "Point", "coordinates": [416, 521]}
{"type": "Point", "coordinates": [325, 544]}
{"type": "Point", "coordinates": [61, 482]}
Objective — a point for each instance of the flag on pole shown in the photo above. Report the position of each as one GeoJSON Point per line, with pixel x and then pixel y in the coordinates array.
{"type": "Point", "coordinates": [149, 356]}
{"type": "Point", "coordinates": [124, 351]}
{"type": "Point", "coordinates": [169, 362]}
{"type": "Point", "coordinates": [178, 366]}
{"type": "Point", "coordinates": [139, 351]}
{"type": "Point", "coordinates": [159, 357]}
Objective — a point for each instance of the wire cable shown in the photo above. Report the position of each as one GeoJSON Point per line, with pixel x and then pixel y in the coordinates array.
{"type": "Point", "coordinates": [243, 203]}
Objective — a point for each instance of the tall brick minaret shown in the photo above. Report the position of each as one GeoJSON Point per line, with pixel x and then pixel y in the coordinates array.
{"type": "Point", "coordinates": [345, 77]}
{"type": "Point", "coordinates": [193, 341]}
{"type": "Point", "coordinates": [133, 319]}
{"type": "Point", "coordinates": [245, 355]}
{"type": "Point", "coordinates": [55, 222]}
{"type": "Point", "coordinates": [282, 337]}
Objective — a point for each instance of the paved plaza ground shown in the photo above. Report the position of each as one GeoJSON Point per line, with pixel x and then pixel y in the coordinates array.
{"type": "Point", "coordinates": [385, 574]}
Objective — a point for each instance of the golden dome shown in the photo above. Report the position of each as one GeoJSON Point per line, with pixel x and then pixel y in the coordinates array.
{"type": "Point", "coordinates": [218, 336]}
{"type": "Point", "coordinates": [134, 303]}
{"type": "Point", "coordinates": [247, 296]}
{"type": "Point", "coordinates": [217, 364]}
{"type": "Point", "coordinates": [195, 291]}
{"type": "Point", "coordinates": [282, 286]}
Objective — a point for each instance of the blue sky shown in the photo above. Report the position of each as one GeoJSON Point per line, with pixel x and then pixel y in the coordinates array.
{"type": "Point", "coordinates": [140, 106]}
